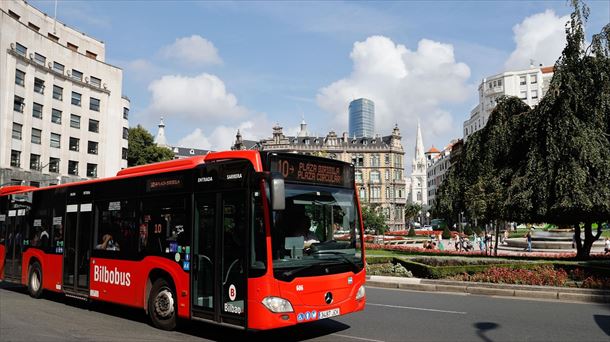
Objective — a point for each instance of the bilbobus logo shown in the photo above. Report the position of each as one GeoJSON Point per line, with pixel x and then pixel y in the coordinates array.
{"type": "Point", "coordinates": [103, 275]}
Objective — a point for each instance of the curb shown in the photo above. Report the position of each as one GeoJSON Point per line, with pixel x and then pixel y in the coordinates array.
{"type": "Point", "coordinates": [489, 289]}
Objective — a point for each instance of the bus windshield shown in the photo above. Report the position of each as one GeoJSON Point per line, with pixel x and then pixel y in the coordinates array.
{"type": "Point", "coordinates": [317, 233]}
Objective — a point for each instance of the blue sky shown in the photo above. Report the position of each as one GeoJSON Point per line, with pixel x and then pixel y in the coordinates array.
{"type": "Point", "coordinates": [210, 68]}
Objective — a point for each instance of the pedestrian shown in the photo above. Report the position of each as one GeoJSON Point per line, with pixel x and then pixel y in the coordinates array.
{"type": "Point", "coordinates": [607, 246]}
{"type": "Point", "coordinates": [505, 237]}
{"type": "Point", "coordinates": [528, 236]}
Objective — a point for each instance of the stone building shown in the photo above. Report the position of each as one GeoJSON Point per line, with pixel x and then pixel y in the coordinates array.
{"type": "Point", "coordinates": [62, 113]}
{"type": "Point", "coordinates": [379, 164]}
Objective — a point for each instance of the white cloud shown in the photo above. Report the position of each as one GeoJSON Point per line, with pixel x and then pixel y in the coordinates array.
{"type": "Point", "coordinates": [222, 137]}
{"type": "Point", "coordinates": [405, 85]}
{"type": "Point", "coordinates": [202, 99]}
{"type": "Point", "coordinates": [540, 37]}
{"type": "Point", "coordinates": [192, 50]}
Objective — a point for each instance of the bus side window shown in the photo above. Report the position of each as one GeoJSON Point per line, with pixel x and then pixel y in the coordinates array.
{"type": "Point", "coordinates": [163, 226]}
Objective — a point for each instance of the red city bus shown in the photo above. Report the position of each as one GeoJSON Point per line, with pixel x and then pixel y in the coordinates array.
{"type": "Point", "coordinates": [250, 239]}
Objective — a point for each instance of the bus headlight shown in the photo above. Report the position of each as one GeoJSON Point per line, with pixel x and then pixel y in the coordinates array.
{"type": "Point", "coordinates": [361, 292]}
{"type": "Point", "coordinates": [277, 304]}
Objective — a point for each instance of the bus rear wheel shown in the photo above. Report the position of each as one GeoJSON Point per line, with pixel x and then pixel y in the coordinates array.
{"type": "Point", "coordinates": [35, 280]}
{"type": "Point", "coordinates": [162, 305]}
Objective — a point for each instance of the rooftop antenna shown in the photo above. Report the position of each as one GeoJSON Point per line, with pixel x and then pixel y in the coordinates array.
{"type": "Point", "coordinates": [55, 19]}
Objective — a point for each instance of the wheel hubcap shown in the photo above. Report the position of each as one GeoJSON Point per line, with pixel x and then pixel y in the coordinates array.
{"type": "Point", "coordinates": [164, 303]}
{"type": "Point", "coordinates": [35, 281]}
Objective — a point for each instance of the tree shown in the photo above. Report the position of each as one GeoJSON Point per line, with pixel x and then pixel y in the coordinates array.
{"type": "Point", "coordinates": [550, 163]}
{"type": "Point", "coordinates": [143, 150]}
{"type": "Point", "coordinates": [569, 158]}
{"type": "Point", "coordinates": [372, 219]}
{"type": "Point", "coordinates": [412, 210]}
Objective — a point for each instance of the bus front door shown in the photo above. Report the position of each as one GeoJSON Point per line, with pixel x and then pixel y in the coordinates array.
{"type": "Point", "coordinates": [77, 248]}
{"type": "Point", "coordinates": [219, 251]}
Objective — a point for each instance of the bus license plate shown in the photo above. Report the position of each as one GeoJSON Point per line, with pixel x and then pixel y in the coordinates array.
{"type": "Point", "coordinates": [328, 313]}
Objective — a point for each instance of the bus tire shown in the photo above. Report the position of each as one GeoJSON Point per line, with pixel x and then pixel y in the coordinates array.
{"type": "Point", "coordinates": [35, 280]}
{"type": "Point", "coordinates": [162, 305]}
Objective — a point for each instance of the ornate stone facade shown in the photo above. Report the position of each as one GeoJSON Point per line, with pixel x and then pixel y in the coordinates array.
{"type": "Point", "coordinates": [379, 163]}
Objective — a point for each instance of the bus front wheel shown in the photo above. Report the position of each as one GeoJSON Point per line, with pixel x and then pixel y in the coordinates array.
{"type": "Point", "coordinates": [162, 305]}
{"type": "Point", "coordinates": [35, 280]}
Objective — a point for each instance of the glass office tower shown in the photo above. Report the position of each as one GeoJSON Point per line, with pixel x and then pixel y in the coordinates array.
{"type": "Point", "coordinates": [361, 118]}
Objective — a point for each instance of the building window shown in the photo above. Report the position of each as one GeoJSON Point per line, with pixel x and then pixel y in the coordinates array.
{"type": "Point", "coordinates": [523, 95]}
{"type": "Point", "coordinates": [534, 94]}
{"type": "Point", "coordinates": [94, 126]}
{"type": "Point", "coordinates": [58, 92]}
{"type": "Point", "coordinates": [375, 192]}
{"type": "Point", "coordinates": [375, 160]}
{"type": "Point", "coordinates": [14, 15]}
{"type": "Point", "coordinates": [18, 104]}
{"type": "Point", "coordinates": [125, 113]}
{"type": "Point", "coordinates": [73, 167]}
{"type": "Point", "coordinates": [19, 77]}
{"type": "Point", "coordinates": [91, 170]}
{"type": "Point", "coordinates": [358, 160]}
{"type": "Point", "coordinates": [77, 75]}
{"type": "Point", "coordinates": [76, 98]}
{"type": "Point", "coordinates": [92, 147]}
{"type": "Point", "coordinates": [362, 194]}
{"type": "Point", "coordinates": [533, 79]}
{"type": "Point", "coordinates": [124, 153]}
{"type": "Point", "coordinates": [53, 37]}
{"type": "Point", "coordinates": [125, 133]}
{"type": "Point", "coordinates": [36, 136]}
{"type": "Point", "coordinates": [58, 67]}
{"type": "Point", "coordinates": [54, 165]}
{"type": "Point", "coordinates": [387, 192]}
{"type": "Point", "coordinates": [522, 80]}
{"type": "Point", "coordinates": [499, 83]}
{"type": "Point", "coordinates": [398, 162]}
{"type": "Point", "coordinates": [94, 104]}
{"type": "Point", "coordinates": [37, 110]}
{"type": "Point", "coordinates": [55, 140]}
{"type": "Point", "coordinates": [56, 116]}
{"type": "Point", "coordinates": [74, 121]}
{"type": "Point", "coordinates": [358, 175]}
{"type": "Point", "coordinates": [387, 175]}
{"type": "Point", "coordinates": [40, 59]}
{"type": "Point", "coordinates": [22, 50]}
{"type": "Point", "coordinates": [74, 142]}
{"type": "Point", "coordinates": [15, 158]}
{"type": "Point", "coordinates": [35, 162]}
{"type": "Point", "coordinates": [375, 177]}
{"type": "Point", "coordinates": [17, 128]}
{"type": "Point", "coordinates": [39, 85]}
{"type": "Point", "coordinates": [96, 82]}
{"type": "Point", "coordinates": [91, 54]}
{"type": "Point", "coordinates": [72, 46]}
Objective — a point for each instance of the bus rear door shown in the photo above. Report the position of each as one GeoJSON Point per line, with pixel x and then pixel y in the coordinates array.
{"type": "Point", "coordinates": [77, 240]}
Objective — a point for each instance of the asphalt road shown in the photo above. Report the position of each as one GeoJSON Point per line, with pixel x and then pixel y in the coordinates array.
{"type": "Point", "coordinates": [391, 315]}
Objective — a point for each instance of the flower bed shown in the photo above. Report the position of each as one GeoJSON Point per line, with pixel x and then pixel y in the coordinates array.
{"type": "Point", "coordinates": [543, 275]}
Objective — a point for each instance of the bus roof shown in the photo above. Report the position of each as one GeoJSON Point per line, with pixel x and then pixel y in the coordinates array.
{"type": "Point", "coordinates": [155, 168]}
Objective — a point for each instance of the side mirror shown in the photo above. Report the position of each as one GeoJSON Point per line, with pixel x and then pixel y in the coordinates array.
{"type": "Point", "coordinates": [278, 193]}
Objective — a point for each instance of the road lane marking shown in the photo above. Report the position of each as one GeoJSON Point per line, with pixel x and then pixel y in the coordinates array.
{"type": "Point", "coordinates": [358, 338]}
{"type": "Point", "coordinates": [420, 309]}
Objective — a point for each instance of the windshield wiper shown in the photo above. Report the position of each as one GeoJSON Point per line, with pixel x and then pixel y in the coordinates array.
{"type": "Point", "coordinates": [342, 255]}
{"type": "Point", "coordinates": [297, 270]}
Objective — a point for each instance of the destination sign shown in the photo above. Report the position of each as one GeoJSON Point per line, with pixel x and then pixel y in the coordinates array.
{"type": "Point", "coordinates": [164, 183]}
{"type": "Point", "coordinates": [312, 171]}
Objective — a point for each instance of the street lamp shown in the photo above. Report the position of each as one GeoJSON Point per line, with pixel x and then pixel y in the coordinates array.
{"type": "Point", "coordinates": [428, 217]}
{"type": "Point", "coordinates": [419, 218]}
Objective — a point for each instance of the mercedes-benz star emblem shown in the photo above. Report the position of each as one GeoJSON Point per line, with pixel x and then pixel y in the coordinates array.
{"type": "Point", "coordinates": [328, 297]}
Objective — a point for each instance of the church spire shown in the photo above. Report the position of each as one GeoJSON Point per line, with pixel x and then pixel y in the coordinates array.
{"type": "Point", "coordinates": [419, 144]}
{"type": "Point", "coordinates": [160, 138]}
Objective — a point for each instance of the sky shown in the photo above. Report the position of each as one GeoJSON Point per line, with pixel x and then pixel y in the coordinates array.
{"type": "Point", "coordinates": [211, 68]}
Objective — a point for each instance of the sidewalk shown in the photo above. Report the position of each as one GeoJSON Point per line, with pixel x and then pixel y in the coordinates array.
{"type": "Point", "coordinates": [489, 289]}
